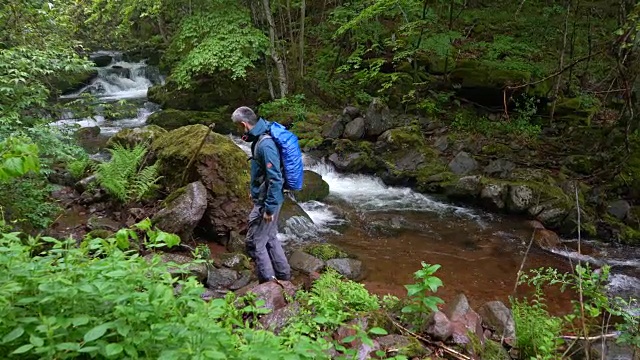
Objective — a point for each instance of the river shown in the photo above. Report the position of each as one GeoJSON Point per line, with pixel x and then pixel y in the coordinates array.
{"type": "Point", "coordinates": [392, 229]}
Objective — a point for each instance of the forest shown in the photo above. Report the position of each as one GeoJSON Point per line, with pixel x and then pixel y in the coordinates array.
{"type": "Point", "coordinates": [127, 243]}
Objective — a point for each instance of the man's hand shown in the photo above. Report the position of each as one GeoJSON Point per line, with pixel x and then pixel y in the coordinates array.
{"type": "Point", "coordinates": [267, 218]}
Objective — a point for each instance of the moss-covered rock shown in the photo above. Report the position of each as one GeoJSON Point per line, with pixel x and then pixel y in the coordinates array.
{"type": "Point", "coordinates": [476, 74]}
{"type": "Point", "coordinates": [314, 188]}
{"type": "Point", "coordinates": [325, 252]}
{"type": "Point", "coordinates": [354, 157]}
{"type": "Point", "coordinates": [208, 94]}
{"type": "Point", "coordinates": [220, 165]}
{"type": "Point", "coordinates": [578, 110]}
{"type": "Point", "coordinates": [172, 119]}
{"type": "Point", "coordinates": [132, 137]}
{"type": "Point", "coordinates": [63, 83]}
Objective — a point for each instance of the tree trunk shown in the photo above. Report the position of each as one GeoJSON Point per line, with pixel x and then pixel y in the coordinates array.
{"type": "Point", "coordinates": [303, 10]}
{"type": "Point", "coordinates": [282, 76]}
{"type": "Point", "coordinates": [556, 89]}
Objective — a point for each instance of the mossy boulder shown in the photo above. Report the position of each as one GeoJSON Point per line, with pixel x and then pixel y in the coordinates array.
{"type": "Point", "coordinates": [354, 157]}
{"type": "Point", "coordinates": [477, 74]}
{"type": "Point", "coordinates": [578, 110]}
{"type": "Point", "coordinates": [132, 137]}
{"type": "Point", "coordinates": [325, 252]}
{"type": "Point", "coordinates": [220, 165]}
{"type": "Point", "coordinates": [208, 94]}
{"type": "Point", "coordinates": [172, 119]}
{"type": "Point", "coordinates": [67, 82]}
{"type": "Point", "coordinates": [314, 188]}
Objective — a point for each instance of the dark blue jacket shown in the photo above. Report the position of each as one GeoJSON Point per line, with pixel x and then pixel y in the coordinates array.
{"type": "Point", "coordinates": [266, 172]}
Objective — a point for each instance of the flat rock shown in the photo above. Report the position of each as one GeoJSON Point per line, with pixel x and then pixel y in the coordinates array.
{"type": "Point", "coordinates": [500, 318]}
{"type": "Point", "coordinates": [463, 164]}
{"type": "Point", "coordinates": [350, 268]}
{"type": "Point", "coordinates": [305, 263]}
{"type": "Point", "coordinates": [221, 278]}
{"type": "Point", "coordinates": [354, 129]}
{"type": "Point", "coordinates": [277, 320]}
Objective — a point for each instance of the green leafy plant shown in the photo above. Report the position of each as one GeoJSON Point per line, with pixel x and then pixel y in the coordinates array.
{"type": "Point", "coordinates": [290, 109]}
{"type": "Point", "coordinates": [18, 156]}
{"type": "Point", "coordinates": [78, 168]}
{"type": "Point", "coordinates": [537, 331]}
{"type": "Point", "coordinates": [419, 301]}
{"type": "Point", "coordinates": [121, 176]}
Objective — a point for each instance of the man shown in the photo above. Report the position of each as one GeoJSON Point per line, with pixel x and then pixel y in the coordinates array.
{"type": "Point", "coordinates": [267, 195]}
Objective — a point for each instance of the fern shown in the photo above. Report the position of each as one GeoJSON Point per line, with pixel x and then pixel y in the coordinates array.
{"type": "Point", "coordinates": [121, 176]}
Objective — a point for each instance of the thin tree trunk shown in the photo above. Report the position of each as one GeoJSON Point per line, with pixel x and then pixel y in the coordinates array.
{"type": "Point", "coordinates": [282, 76]}
{"type": "Point", "coordinates": [556, 89]}
{"type": "Point", "coordinates": [303, 10]}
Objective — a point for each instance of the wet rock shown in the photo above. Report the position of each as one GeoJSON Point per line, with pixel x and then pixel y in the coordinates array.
{"type": "Point", "coordinates": [220, 165]}
{"type": "Point", "coordinates": [84, 184]}
{"type": "Point", "coordinates": [354, 129]}
{"type": "Point", "coordinates": [314, 188]}
{"type": "Point", "coordinates": [101, 59]}
{"type": "Point", "coordinates": [464, 321]}
{"type": "Point", "coordinates": [304, 262]}
{"type": "Point", "coordinates": [463, 164]}
{"type": "Point", "coordinates": [272, 293]}
{"type": "Point", "coordinates": [344, 162]}
{"type": "Point", "coordinates": [500, 168]}
{"type": "Point", "coordinates": [467, 187]}
{"type": "Point", "coordinates": [235, 261]}
{"type": "Point", "coordinates": [500, 319]}
{"type": "Point", "coordinates": [132, 137]}
{"type": "Point", "coordinates": [546, 239]}
{"type": "Point", "coordinates": [351, 111]}
{"type": "Point", "coordinates": [350, 268]}
{"type": "Point", "coordinates": [613, 351]}
{"type": "Point", "coordinates": [90, 132]}
{"type": "Point", "coordinates": [439, 327]}
{"type": "Point", "coordinates": [442, 143]}
{"type": "Point", "coordinates": [100, 223]}
{"type": "Point", "coordinates": [289, 212]}
{"type": "Point", "coordinates": [552, 217]}
{"type": "Point", "coordinates": [183, 210]}
{"type": "Point", "coordinates": [619, 209]}
{"type": "Point", "coordinates": [92, 196]}
{"type": "Point", "coordinates": [410, 161]}
{"type": "Point", "coordinates": [243, 280]}
{"type": "Point", "coordinates": [119, 71]}
{"type": "Point", "coordinates": [493, 196]}
{"type": "Point", "coordinates": [277, 320]}
{"type": "Point", "coordinates": [199, 270]}
{"type": "Point", "coordinates": [378, 118]}
{"type": "Point", "coordinates": [235, 242]}
{"type": "Point", "coordinates": [333, 130]}
{"type": "Point", "coordinates": [520, 198]}
{"type": "Point", "coordinates": [221, 278]}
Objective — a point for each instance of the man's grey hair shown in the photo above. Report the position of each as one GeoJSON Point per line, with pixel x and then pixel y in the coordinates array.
{"type": "Point", "coordinates": [245, 114]}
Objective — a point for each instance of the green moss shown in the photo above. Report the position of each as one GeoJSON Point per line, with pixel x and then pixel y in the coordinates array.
{"type": "Point", "coordinates": [366, 162]}
{"type": "Point", "coordinates": [309, 131]}
{"type": "Point", "coordinates": [494, 351]}
{"type": "Point", "coordinates": [325, 251]}
{"type": "Point", "coordinates": [175, 148]}
{"type": "Point", "coordinates": [496, 148]}
{"type": "Point", "coordinates": [133, 137]}
{"type": "Point", "coordinates": [313, 189]}
{"type": "Point", "coordinates": [476, 74]}
{"type": "Point", "coordinates": [174, 195]}
{"type": "Point", "coordinates": [578, 110]}
{"type": "Point", "coordinates": [67, 82]}
{"type": "Point", "coordinates": [172, 119]}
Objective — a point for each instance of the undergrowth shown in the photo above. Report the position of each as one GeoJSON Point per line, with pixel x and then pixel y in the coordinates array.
{"type": "Point", "coordinates": [122, 176]}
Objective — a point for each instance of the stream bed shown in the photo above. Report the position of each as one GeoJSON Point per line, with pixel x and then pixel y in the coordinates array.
{"type": "Point", "coordinates": [391, 229]}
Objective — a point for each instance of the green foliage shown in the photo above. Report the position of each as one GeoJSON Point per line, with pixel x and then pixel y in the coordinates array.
{"type": "Point", "coordinates": [122, 177]}
{"type": "Point", "coordinates": [325, 251]}
{"type": "Point", "coordinates": [519, 125]}
{"type": "Point", "coordinates": [219, 40]}
{"type": "Point", "coordinates": [18, 156]}
{"type": "Point", "coordinates": [62, 303]}
{"type": "Point", "coordinates": [27, 202]}
{"type": "Point", "coordinates": [77, 168]}
{"type": "Point", "coordinates": [284, 110]}
{"type": "Point", "coordinates": [418, 300]}
{"type": "Point", "coordinates": [537, 331]}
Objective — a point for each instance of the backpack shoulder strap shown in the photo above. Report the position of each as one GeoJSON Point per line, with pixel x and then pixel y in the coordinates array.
{"type": "Point", "coordinates": [254, 146]}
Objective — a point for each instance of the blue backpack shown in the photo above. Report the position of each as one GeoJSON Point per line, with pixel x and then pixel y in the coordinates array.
{"type": "Point", "coordinates": [290, 155]}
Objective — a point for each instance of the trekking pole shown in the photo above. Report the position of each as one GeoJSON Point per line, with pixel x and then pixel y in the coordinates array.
{"type": "Point", "coordinates": [193, 157]}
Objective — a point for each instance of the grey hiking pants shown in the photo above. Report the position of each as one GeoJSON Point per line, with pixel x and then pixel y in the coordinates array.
{"type": "Point", "coordinates": [264, 247]}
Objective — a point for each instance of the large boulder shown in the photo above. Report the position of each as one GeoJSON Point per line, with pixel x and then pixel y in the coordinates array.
{"type": "Point", "coordinates": [500, 319]}
{"type": "Point", "coordinates": [132, 137]}
{"type": "Point", "coordinates": [463, 164]}
{"type": "Point", "coordinates": [172, 119]}
{"type": "Point", "coordinates": [350, 268]}
{"type": "Point", "coordinates": [466, 188]}
{"type": "Point", "coordinates": [220, 165]}
{"type": "Point", "coordinates": [303, 262]}
{"type": "Point", "coordinates": [290, 210]}
{"type": "Point", "coordinates": [333, 130]}
{"type": "Point", "coordinates": [520, 198]}
{"type": "Point", "coordinates": [277, 320]}
{"type": "Point", "coordinates": [619, 209]}
{"type": "Point", "coordinates": [355, 129]}
{"type": "Point", "coordinates": [493, 196]}
{"type": "Point", "coordinates": [221, 278]}
{"type": "Point", "coordinates": [210, 93]}
{"type": "Point", "coordinates": [67, 82]}
{"type": "Point", "coordinates": [314, 188]}
{"type": "Point", "coordinates": [377, 118]}
{"type": "Point", "coordinates": [183, 210]}
{"type": "Point", "coordinates": [354, 157]}
{"type": "Point", "coordinates": [273, 294]}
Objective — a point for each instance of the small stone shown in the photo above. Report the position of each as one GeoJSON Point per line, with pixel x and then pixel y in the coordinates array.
{"type": "Point", "coordinates": [221, 278]}
{"type": "Point", "coordinates": [457, 308]}
{"type": "Point", "coordinates": [442, 143]}
{"type": "Point", "coordinates": [520, 198]}
{"type": "Point", "coordinates": [350, 268]}
{"type": "Point", "coordinates": [305, 263]}
{"type": "Point", "coordinates": [278, 319]}
{"type": "Point", "coordinates": [333, 130]}
{"type": "Point", "coordinates": [493, 196]}
{"type": "Point", "coordinates": [236, 261]}
{"type": "Point", "coordinates": [619, 209]}
{"type": "Point", "coordinates": [500, 318]}
{"type": "Point", "coordinates": [351, 111]}
{"type": "Point", "coordinates": [439, 326]}
{"type": "Point", "coordinates": [244, 280]}
{"type": "Point", "coordinates": [272, 293]}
